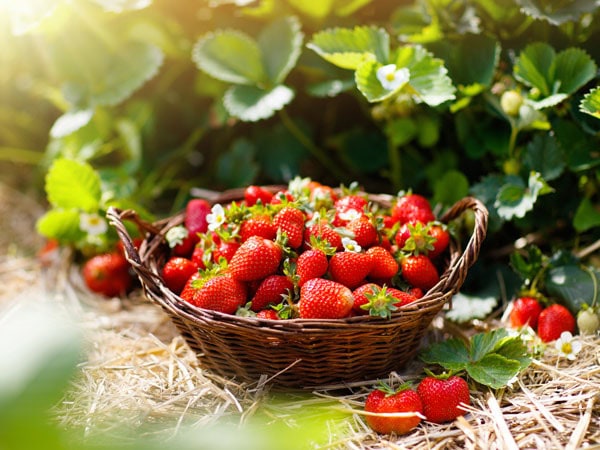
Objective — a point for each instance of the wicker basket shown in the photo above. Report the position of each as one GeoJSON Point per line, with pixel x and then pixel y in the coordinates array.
{"type": "Point", "coordinates": [298, 353]}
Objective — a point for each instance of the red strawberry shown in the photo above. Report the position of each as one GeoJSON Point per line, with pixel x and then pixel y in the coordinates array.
{"type": "Point", "coordinates": [198, 256]}
{"type": "Point", "coordinates": [176, 271]}
{"type": "Point", "coordinates": [360, 296]}
{"type": "Point", "coordinates": [379, 301]}
{"type": "Point", "coordinates": [290, 221]}
{"type": "Point", "coordinates": [441, 398]}
{"type": "Point", "coordinates": [220, 293]}
{"type": "Point", "coordinates": [419, 271]}
{"type": "Point", "coordinates": [311, 264]}
{"type": "Point", "coordinates": [252, 194]}
{"type": "Point", "coordinates": [404, 297]}
{"type": "Point", "coordinates": [225, 250]}
{"type": "Point", "coordinates": [365, 233]}
{"type": "Point", "coordinates": [196, 211]}
{"type": "Point", "coordinates": [323, 231]}
{"type": "Point", "coordinates": [405, 400]}
{"type": "Point", "coordinates": [352, 201]}
{"type": "Point", "coordinates": [384, 265]}
{"type": "Point", "coordinates": [324, 299]}
{"type": "Point", "coordinates": [281, 197]}
{"type": "Point", "coordinates": [270, 314]}
{"type": "Point", "coordinates": [412, 208]}
{"type": "Point", "coordinates": [414, 238]}
{"type": "Point", "coordinates": [259, 225]}
{"type": "Point", "coordinates": [442, 240]}
{"type": "Point", "coordinates": [107, 274]}
{"type": "Point", "coordinates": [181, 241]}
{"type": "Point", "coordinates": [350, 268]}
{"type": "Point", "coordinates": [553, 321]}
{"type": "Point", "coordinates": [270, 291]}
{"type": "Point", "coordinates": [256, 258]}
{"type": "Point", "coordinates": [525, 311]}
{"type": "Point", "coordinates": [321, 195]}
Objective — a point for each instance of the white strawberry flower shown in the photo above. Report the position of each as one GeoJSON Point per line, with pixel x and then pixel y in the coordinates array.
{"type": "Point", "coordinates": [350, 245]}
{"type": "Point", "coordinates": [92, 224]}
{"type": "Point", "coordinates": [567, 346]}
{"type": "Point", "coordinates": [391, 78]}
{"type": "Point", "coordinates": [216, 217]}
{"type": "Point", "coordinates": [350, 215]}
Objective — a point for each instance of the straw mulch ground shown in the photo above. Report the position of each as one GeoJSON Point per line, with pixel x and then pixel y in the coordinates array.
{"type": "Point", "coordinates": [139, 378]}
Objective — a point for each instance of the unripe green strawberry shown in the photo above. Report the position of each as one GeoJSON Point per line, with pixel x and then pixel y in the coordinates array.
{"type": "Point", "coordinates": [588, 321]}
{"type": "Point", "coordinates": [324, 299]}
{"type": "Point", "coordinates": [255, 259]}
{"type": "Point", "coordinates": [442, 398]}
{"type": "Point", "coordinates": [553, 321]}
{"type": "Point", "coordinates": [405, 400]}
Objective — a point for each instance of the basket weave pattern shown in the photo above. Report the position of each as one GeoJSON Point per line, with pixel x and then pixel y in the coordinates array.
{"type": "Point", "coordinates": [298, 353]}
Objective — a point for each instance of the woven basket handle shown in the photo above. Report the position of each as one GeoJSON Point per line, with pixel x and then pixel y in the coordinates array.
{"type": "Point", "coordinates": [456, 274]}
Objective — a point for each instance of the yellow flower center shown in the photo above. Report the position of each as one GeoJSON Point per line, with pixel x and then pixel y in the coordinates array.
{"type": "Point", "coordinates": [566, 348]}
{"type": "Point", "coordinates": [391, 76]}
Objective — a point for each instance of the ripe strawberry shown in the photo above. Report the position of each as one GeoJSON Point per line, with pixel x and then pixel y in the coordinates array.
{"type": "Point", "coordinates": [442, 240]}
{"type": "Point", "coordinates": [176, 271]}
{"type": "Point", "coordinates": [525, 311]}
{"type": "Point", "coordinates": [365, 233]}
{"type": "Point", "coordinates": [360, 297]}
{"type": "Point", "coordinates": [181, 241]}
{"type": "Point", "coordinates": [350, 268]}
{"type": "Point", "coordinates": [324, 299]}
{"type": "Point", "coordinates": [198, 256]}
{"type": "Point", "coordinates": [220, 293]}
{"type": "Point", "coordinates": [553, 321]}
{"type": "Point", "coordinates": [323, 231]}
{"type": "Point", "coordinates": [352, 201]}
{"type": "Point", "coordinates": [259, 225]}
{"type": "Point", "coordinates": [311, 264]}
{"type": "Point", "coordinates": [255, 259]}
{"type": "Point", "coordinates": [441, 397]}
{"type": "Point", "coordinates": [321, 196]}
{"type": "Point", "coordinates": [225, 249]}
{"type": "Point", "coordinates": [412, 208]}
{"type": "Point", "coordinates": [270, 314]}
{"type": "Point", "coordinates": [280, 197]}
{"type": "Point", "coordinates": [379, 301]}
{"type": "Point", "coordinates": [404, 400]}
{"type": "Point", "coordinates": [290, 221]}
{"type": "Point", "coordinates": [107, 274]}
{"type": "Point", "coordinates": [252, 194]}
{"type": "Point", "coordinates": [414, 238]}
{"type": "Point", "coordinates": [404, 297]}
{"type": "Point", "coordinates": [419, 271]}
{"type": "Point", "coordinates": [196, 211]}
{"type": "Point", "coordinates": [271, 291]}
{"type": "Point", "coordinates": [384, 265]}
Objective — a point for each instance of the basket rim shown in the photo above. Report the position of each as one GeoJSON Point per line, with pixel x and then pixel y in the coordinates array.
{"type": "Point", "coordinates": [145, 265]}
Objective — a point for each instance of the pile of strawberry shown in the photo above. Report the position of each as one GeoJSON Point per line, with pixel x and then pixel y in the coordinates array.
{"type": "Point", "coordinates": [307, 251]}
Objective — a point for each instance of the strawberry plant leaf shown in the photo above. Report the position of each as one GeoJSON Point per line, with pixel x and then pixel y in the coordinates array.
{"type": "Point", "coordinates": [493, 370]}
{"type": "Point", "coordinates": [70, 122]}
{"type": "Point", "coordinates": [586, 216]}
{"type": "Point", "coordinates": [230, 56]}
{"type": "Point", "coordinates": [532, 65]}
{"type": "Point", "coordinates": [484, 343]}
{"type": "Point", "coordinates": [368, 83]}
{"type": "Point", "coordinates": [557, 13]}
{"type": "Point", "coordinates": [250, 103]}
{"type": "Point", "coordinates": [514, 349]}
{"type": "Point", "coordinates": [317, 9]}
{"type": "Point", "coordinates": [345, 8]}
{"type": "Point", "coordinates": [573, 285]}
{"type": "Point", "coordinates": [544, 155]}
{"type": "Point", "coordinates": [515, 199]}
{"type": "Point", "coordinates": [590, 104]}
{"type": "Point", "coordinates": [450, 187]}
{"type": "Point", "coordinates": [527, 267]}
{"type": "Point", "coordinates": [60, 224]}
{"type": "Point", "coordinates": [280, 44]}
{"type": "Point", "coordinates": [451, 354]}
{"type": "Point", "coordinates": [73, 184]}
{"type": "Point", "coordinates": [330, 88]}
{"type": "Point", "coordinates": [237, 167]}
{"type": "Point", "coordinates": [428, 75]}
{"type": "Point", "coordinates": [573, 69]}
{"type": "Point", "coordinates": [349, 48]}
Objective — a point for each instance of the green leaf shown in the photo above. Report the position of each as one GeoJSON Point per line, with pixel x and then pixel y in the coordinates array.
{"type": "Point", "coordinates": [230, 56]}
{"type": "Point", "coordinates": [280, 166]}
{"type": "Point", "coordinates": [557, 13]}
{"type": "Point", "coordinates": [590, 104]}
{"type": "Point", "coordinates": [401, 130]}
{"type": "Point", "coordinates": [515, 199]}
{"type": "Point", "coordinates": [539, 66]}
{"type": "Point", "coordinates": [133, 65]}
{"type": "Point", "coordinates": [330, 88]}
{"type": "Point", "coordinates": [280, 44]}
{"type": "Point", "coordinates": [494, 370]}
{"type": "Point", "coordinates": [250, 103]}
{"type": "Point", "coordinates": [573, 285]}
{"type": "Point", "coordinates": [484, 343]}
{"type": "Point", "coordinates": [236, 167]}
{"type": "Point", "coordinates": [345, 8]}
{"type": "Point", "coordinates": [132, 142]}
{"type": "Point", "coordinates": [513, 348]}
{"type": "Point", "coordinates": [428, 76]}
{"type": "Point", "coordinates": [452, 186]}
{"type": "Point", "coordinates": [451, 354]}
{"type": "Point", "coordinates": [364, 151]}
{"type": "Point", "coordinates": [60, 224]}
{"type": "Point", "coordinates": [349, 48]}
{"type": "Point", "coordinates": [466, 308]}
{"type": "Point", "coordinates": [587, 216]}
{"type": "Point", "coordinates": [317, 9]}
{"type": "Point", "coordinates": [73, 184]}
{"type": "Point", "coordinates": [579, 148]}
{"type": "Point", "coordinates": [544, 155]}
{"type": "Point", "coordinates": [527, 266]}
{"type": "Point", "coordinates": [70, 122]}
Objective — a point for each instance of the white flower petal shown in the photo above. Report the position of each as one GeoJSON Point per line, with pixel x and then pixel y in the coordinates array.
{"type": "Point", "coordinates": [392, 78]}
{"type": "Point", "coordinates": [350, 245]}
{"type": "Point", "coordinates": [92, 224]}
